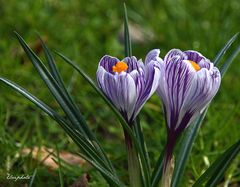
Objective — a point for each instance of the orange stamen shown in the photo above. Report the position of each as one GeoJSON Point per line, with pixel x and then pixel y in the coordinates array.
{"type": "Point", "coordinates": [195, 65]}
{"type": "Point", "coordinates": [120, 67]}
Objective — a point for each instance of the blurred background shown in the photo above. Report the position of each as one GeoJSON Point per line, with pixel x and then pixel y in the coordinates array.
{"type": "Point", "coordinates": [85, 31]}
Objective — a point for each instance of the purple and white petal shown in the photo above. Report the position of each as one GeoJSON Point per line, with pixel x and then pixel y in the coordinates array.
{"type": "Point", "coordinates": [175, 52]}
{"type": "Point", "coordinates": [147, 85]}
{"type": "Point", "coordinates": [204, 87]}
{"type": "Point", "coordinates": [126, 93]}
{"type": "Point", "coordinates": [100, 77]}
{"type": "Point", "coordinates": [153, 55]}
{"type": "Point", "coordinates": [205, 63]}
{"type": "Point", "coordinates": [194, 56]}
{"type": "Point", "coordinates": [107, 62]}
{"type": "Point", "coordinates": [120, 89]}
{"type": "Point", "coordinates": [133, 63]}
{"type": "Point", "coordinates": [174, 86]}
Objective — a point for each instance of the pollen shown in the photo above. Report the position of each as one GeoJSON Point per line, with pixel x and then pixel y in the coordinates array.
{"type": "Point", "coordinates": [195, 65]}
{"type": "Point", "coordinates": [120, 67]}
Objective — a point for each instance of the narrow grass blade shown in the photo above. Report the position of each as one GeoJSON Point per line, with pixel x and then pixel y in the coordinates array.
{"type": "Point", "coordinates": [127, 40]}
{"type": "Point", "coordinates": [32, 178]}
{"type": "Point", "coordinates": [224, 49]}
{"type": "Point", "coordinates": [51, 63]}
{"type": "Point", "coordinates": [157, 172]}
{"type": "Point", "coordinates": [59, 168]}
{"type": "Point", "coordinates": [74, 116]}
{"type": "Point", "coordinates": [216, 171]}
{"type": "Point", "coordinates": [55, 73]}
{"type": "Point", "coordinates": [229, 61]}
{"type": "Point", "coordinates": [85, 145]}
{"type": "Point", "coordinates": [186, 146]}
{"type": "Point", "coordinates": [145, 157]}
{"type": "Point", "coordinates": [108, 175]}
{"type": "Point", "coordinates": [47, 110]}
{"type": "Point", "coordinates": [87, 148]}
{"type": "Point", "coordinates": [34, 100]}
{"type": "Point", "coordinates": [92, 156]}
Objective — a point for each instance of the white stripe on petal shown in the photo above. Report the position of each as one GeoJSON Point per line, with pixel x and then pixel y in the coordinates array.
{"type": "Point", "coordinates": [126, 93]}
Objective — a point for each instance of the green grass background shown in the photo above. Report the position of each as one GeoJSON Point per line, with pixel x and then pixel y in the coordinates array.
{"type": "Point", "coordinates": [85, 31]}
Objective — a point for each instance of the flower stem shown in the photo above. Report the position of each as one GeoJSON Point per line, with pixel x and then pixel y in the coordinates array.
{"type": "Point", "coordinates": [168, 162]}
{"type": "Point", "coordinates": [167, 173]}
{"type": "Point", "coordinates": [133, 163]}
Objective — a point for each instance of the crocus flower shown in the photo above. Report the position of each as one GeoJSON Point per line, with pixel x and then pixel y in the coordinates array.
{"type": "Point", "coordinates": [129, 83]}
{"type": "Point", "coordinates": [187, 84]}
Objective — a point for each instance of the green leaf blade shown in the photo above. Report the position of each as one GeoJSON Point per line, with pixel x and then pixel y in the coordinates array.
{"type": "Point", "coordinates": [229, 61]}
{"type": "Point", "coordinates": [144, 157]}
{"type": "Point", "coordinates": [45, 108]}
{"type": "Point", "coordinates": [74, 116]}
{"type": "Point", "coordinates": [51, 63]}
{"type": "Point", "coordinates": [127, 40]}
{"type": "Point", "coordinates": [84, 144]}
{"type": "Point", "coordinates": [220, 54]}
{"type": "Point", "coordinates": [215, 172]}
{"type": "Point", "coordinates": [157, 172]}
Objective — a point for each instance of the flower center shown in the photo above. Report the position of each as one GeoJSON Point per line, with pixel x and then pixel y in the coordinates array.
{"type": "Point", "coordinates": [195, 65]}
{"type": "Point", "coordinates": [120, 67]}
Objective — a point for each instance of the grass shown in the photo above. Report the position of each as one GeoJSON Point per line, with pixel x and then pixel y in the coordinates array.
{"type": "Point", "coordinates": [85, 31]}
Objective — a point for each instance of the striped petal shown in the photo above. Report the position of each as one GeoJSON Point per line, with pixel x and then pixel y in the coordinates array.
{"type": "Point", "coordinates": [133, 64]}
{"type": "Point", "coordinates": [174, 86]}
{"type": "Point", "coordinates": [194, 56]}
{"type": "Point", "coordinates": [199, 59]}
{"type": "Point", "coordinates": [120, 89]}
{"type": "Point", "coordinates": [185, 91]}
{"type": "Point", "coordinates": [204, 87]}
{"type": "Point", "coordinates": [153, 55]}
{"type": "Point", "coordinates": [126, 94]}
{"type": "Point", "coordinates": [107, 62]}
{"type": "Point", "coordinates": [174, 52]}
{"type": "Point", "coordinates": [148, 84]}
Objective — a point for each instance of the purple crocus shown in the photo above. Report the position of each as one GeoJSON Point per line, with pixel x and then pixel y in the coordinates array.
{"type": "Point", "coordinates": [129, 83]}
{"type": "Point", "coordinates": [187, 84]}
